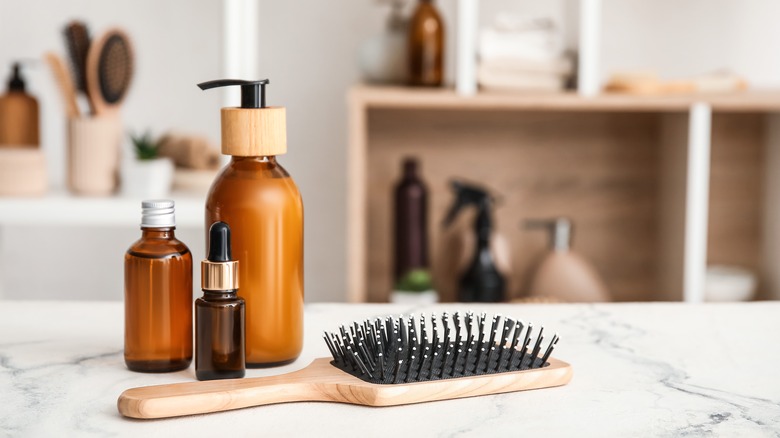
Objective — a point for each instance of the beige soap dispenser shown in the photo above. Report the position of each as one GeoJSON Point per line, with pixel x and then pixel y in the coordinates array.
{"type": "Point", "coordinates": [563, 274]}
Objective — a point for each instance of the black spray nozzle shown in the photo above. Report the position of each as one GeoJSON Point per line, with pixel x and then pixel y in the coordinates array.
{"type": "Point", "coordinates": [467, 195]}
{"type": "Point", "coordinates": [252, 92]}
{"type": "Point", "coordinates": [219, 243]}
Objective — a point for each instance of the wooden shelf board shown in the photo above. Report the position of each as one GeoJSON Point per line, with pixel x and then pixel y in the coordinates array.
{"type": "Point", "coordinates": [396, 97]}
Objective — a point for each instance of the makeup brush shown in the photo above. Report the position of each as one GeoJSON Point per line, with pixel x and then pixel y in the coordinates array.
{"type": "Point", "coordinates": [381, 362]}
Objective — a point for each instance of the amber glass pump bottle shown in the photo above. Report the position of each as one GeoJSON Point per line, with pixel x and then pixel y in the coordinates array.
{"type": "Point", "coordinates": [18, 113]}
{"type": "Point", "coordinates": [158, 295]}
{"type": "Point", "coordinates": [426, 46]}
{"type": "Point", "coordinates": [257, 197]}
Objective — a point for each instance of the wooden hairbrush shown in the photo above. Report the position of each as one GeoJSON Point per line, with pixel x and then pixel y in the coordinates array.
{"type": "Point", "coordinates": [109, 71]}
{"type": "Point", "coordinates": [64, 82]}
{"type": "Point", "coordinates": [381, 363]}
{"type": "Point", "coordinates": [77, 41]}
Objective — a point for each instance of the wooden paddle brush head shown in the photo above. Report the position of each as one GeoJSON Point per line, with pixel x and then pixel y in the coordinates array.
{"type": "Point", "coordinates": [109, 71]}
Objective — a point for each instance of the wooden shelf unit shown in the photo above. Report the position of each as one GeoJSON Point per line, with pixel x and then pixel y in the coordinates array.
{"type": "Point", "coordinates": [376, 97]}
{"type": "Point", "coordinates": [652, 197]}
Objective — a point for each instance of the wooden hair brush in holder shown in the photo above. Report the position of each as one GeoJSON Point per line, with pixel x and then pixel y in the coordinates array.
{"type": "Point", "coordinates": [382, 362]}
{"type": "Point", "coordinates": [109, 71]}
{"type": "Point", "coordinates": [77, 40]}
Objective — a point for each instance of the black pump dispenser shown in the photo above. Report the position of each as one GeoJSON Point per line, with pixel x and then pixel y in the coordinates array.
{"type": "Point", "coordinates": [481, 282]}
{"type": "Point", "coordinates": [219, 243]}
{"type": "Point", "coordinates": [16, 81]}
{"type": "Point", "coordinates": [252, 92]}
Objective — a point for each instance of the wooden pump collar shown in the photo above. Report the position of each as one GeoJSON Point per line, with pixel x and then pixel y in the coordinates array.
{"type": "Point", "coordinates": [254, 132]}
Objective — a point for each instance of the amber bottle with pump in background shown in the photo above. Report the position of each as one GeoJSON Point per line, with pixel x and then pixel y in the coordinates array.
{"type": "Point", "coordinates": [426, 46]}
{"type": "Point", "coordinates": [18, 113]}
{"type": "Point", "coordinates": [158, 295]}
{"type": "Point", "coordinates": [219, 313]}
{"type": "Point", "coordinates": [257, 197]}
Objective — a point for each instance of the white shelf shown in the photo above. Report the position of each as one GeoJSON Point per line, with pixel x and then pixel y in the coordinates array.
{"type": "Point", "coordinates": [59, 208]}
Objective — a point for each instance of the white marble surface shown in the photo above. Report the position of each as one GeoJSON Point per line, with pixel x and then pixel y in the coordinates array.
{"type": "Point", "coordinates": [639, 370]}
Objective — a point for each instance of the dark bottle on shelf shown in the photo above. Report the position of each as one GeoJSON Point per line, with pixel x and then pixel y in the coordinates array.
{"type": "Point", "coordinates": [426, 46]}
{"type": "Point", "coordinates": [158, 295]}
{"type": "Point", "coordinates": [411, 221]}
{"type": "Point", "coordinates": [219, 313]}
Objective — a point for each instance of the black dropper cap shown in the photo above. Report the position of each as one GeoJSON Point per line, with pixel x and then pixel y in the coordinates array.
{"type": "Point", "coordinates": [219, 243]}
{"type": "Point", "coordinates": [16, 82]}
{"type": "Point", "coordinates": [252, 92]}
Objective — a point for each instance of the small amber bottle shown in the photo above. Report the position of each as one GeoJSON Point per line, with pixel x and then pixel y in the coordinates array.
{"type": "Point", "coordinates": [219, 313]}
{"type": "Point", "coordinates": [158, 295]}
{"type": "Point", "coordinates": [426, 46]}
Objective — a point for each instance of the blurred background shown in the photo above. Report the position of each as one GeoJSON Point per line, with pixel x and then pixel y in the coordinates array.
{"type": "Point", "coordinates": [581, 150]}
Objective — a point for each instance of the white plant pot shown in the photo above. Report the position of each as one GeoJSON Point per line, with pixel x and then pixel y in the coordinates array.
{"type": "Point", "coordinates": [147, 178]}
{"type": "Point", "coordinates": [414, 298]}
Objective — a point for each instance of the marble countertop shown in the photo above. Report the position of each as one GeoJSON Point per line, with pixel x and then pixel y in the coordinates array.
{"type": "Point", "coordinates": [639, 370]}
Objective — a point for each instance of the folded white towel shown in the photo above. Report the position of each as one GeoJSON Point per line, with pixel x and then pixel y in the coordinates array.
{"type": "Point", "coordinates": [561, 66]}
{"type": "Point", "coordinates": [490, 79]}
{"type": "Point", "coordinates": [519, 37]}
{"type": "Point", "coordinates": [536, 46]}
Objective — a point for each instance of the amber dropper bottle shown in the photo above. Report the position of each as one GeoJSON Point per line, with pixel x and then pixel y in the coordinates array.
{"type": "Point", "coordinates": [219, 313]}
{"type": "Point", "coordinates": [158, 295]}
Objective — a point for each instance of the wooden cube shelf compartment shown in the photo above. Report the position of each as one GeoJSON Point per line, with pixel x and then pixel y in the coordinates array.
{"type": "Point", "coordinates": [616, 165]}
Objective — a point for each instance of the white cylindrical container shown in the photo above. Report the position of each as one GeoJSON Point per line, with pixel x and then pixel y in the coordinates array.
{"type": "Point", "coordinates": [466, 56]}
{"type": "Point", "coordinates": [588, 80]}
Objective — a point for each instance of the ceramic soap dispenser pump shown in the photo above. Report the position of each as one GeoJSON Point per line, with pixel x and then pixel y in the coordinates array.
{"type": "Point", "coordinates": [262, 204]}
{"type": "Point", "coordinates": [562, 273]}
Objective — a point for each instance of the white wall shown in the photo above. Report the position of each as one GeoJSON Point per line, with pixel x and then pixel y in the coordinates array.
{"type": "Point", "coordinates": [308, 50]}
{"type": "Point", "coordinates": [177, 43]}
{"type": "Point", "coordinates": [680, 38]}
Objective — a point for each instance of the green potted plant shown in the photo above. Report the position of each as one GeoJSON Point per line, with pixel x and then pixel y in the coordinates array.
{"type": "Point", "coordinates": [415, 287]}
{"type": "Point", "coordinates": [146, 174]}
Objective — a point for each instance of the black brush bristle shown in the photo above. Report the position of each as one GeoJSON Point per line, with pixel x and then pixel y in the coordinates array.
{"type": "Point", "coordinates": [403, 350]}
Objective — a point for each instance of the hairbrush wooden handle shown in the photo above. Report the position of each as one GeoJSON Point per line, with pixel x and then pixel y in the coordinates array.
{"type": "Point", "coordinates": [322, 381]}
{"type": "Point", "coordinates": [65, 83]}
{"type": "Point", "coordinates": [191, 398]}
